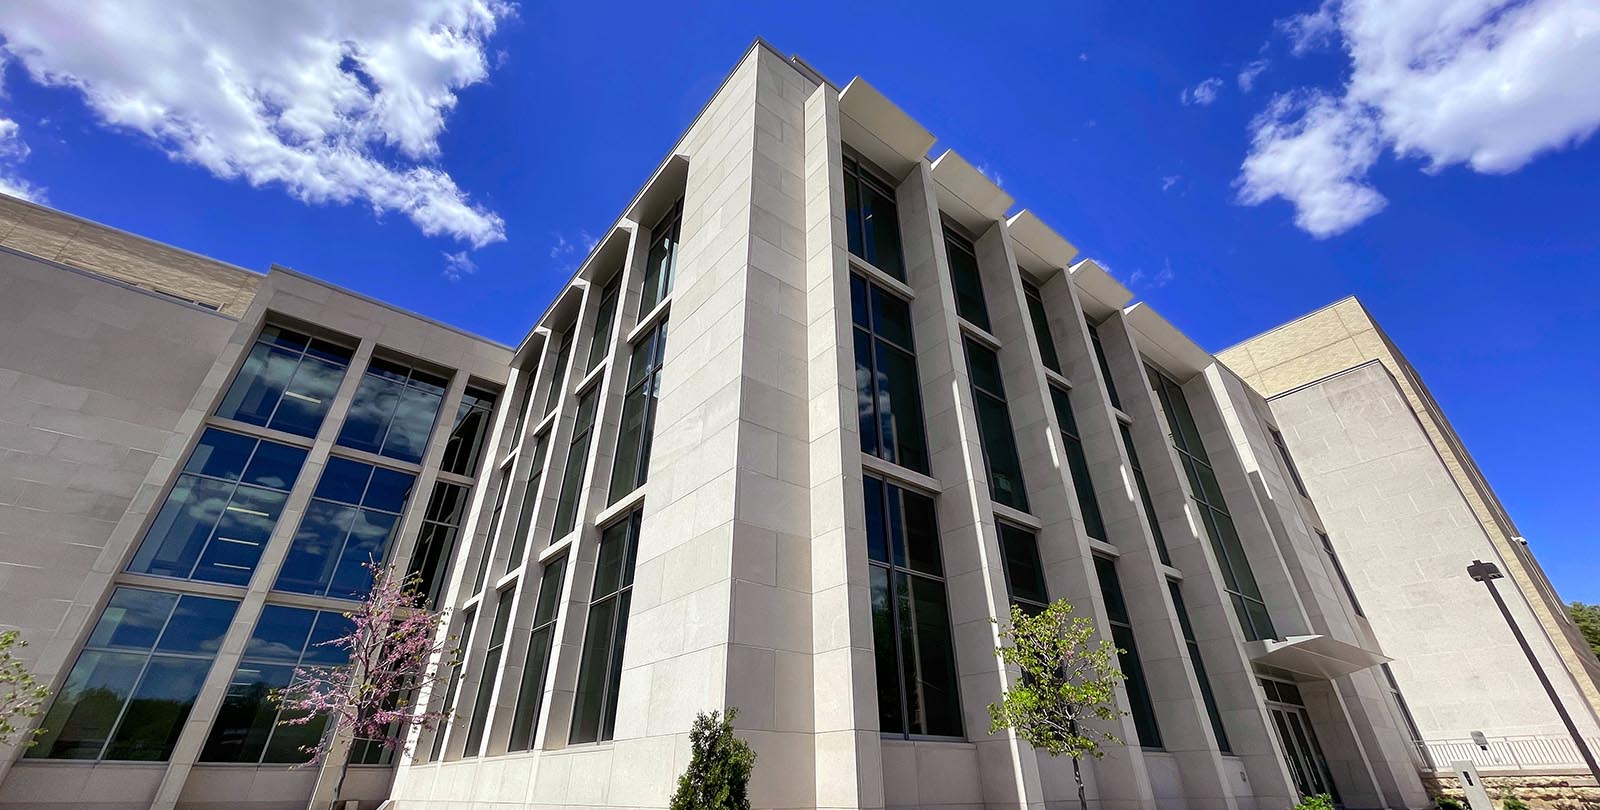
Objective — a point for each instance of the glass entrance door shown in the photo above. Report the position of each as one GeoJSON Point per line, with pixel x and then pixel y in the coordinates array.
{"type": "Point", "coordinates": [1297, 741]}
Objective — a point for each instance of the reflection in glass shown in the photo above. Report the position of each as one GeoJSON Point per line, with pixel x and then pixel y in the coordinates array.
{"type": "Point", "coordinates": [349, 522]}
{"type": "Point", "coordinates": [888, 393]}
{"type": "Point", "coordinates": [287, 382]}
{"type": "Point", "coordinates": [594, 712]}
{"type": "Point", "coordinates": [393, 411]}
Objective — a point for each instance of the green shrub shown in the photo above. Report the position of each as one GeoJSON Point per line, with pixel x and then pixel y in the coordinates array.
{"type": "Point", "coordinates": [1511, 802]}
{"type": "Point", "coordinates": [1321, 801]}
{"type": "Point", "coordinates": [1448, 803]}
{"type": "Point", "coordinates": [718, 776]}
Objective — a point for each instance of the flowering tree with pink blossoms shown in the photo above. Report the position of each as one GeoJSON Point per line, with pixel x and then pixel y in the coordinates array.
{"type": "Point", "coordinates": [392, 639]}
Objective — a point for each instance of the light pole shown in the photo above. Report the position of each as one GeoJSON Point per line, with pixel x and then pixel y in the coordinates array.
{"type": "Point", "coordinates": [1487, 573]}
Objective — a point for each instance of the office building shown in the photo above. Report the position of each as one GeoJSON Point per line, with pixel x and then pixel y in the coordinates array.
{"type": "Point", "coordinates": [814, 412]}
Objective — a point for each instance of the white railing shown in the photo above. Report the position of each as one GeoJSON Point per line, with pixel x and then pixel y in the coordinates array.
{"type": "Point", "coordinates": [1527, 753]}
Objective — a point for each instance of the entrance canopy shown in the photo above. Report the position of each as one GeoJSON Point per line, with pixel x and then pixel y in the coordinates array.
{"type": "Point", "coordinates": [1315, 656]}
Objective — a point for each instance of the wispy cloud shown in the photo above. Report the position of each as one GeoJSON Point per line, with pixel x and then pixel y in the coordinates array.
{"type": "Point", "coordinates": [331, 102]}
{"type": "Point", "coordinates": [1452, 82]}
{"type": "Point", "coordinates": [14, 150]}
{"type": "Point", "coordinates": [1083, 57]}
{"type": "Point", "coordinates": [458, 265]}
{"type": "Point", "coordinates": [1168, 181]}
{"type": "Point", "coordinates": [568, 253]}
{"type": "Point", "coordinates": [1140, 280]}
{"type": "Point", "coordinates": [1250, 72]}
{"type": "Point", "coordinates": [1202, 94]}
{"type": "Point", "coordinates": [995, 177]}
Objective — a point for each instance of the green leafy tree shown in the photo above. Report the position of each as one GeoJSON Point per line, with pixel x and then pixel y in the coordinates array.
{"type": "Point", "coordinates": [1321, 801]}
{"type": "Point", "coordinates": [1068, 683]}
{"type": "Point", "coordinates": [1587, 618]}
{"type": "Point", "coordinates": [21, 695]}
{"type": "Point", "coordinates": [718, 776]}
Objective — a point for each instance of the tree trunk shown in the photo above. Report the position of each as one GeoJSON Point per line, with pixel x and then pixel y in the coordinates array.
{"type": "Point", "coordinates": [1077, 775]}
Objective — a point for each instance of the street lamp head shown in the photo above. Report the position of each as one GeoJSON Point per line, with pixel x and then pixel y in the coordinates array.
{"type": "Point", "coordinates": [1481, 571]}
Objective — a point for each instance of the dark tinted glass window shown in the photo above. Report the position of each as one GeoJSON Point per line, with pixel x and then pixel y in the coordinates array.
{"type": "Point", "coordinates": [1105, 368]}
{"type": "Point", "coordinates": [221, 511]}
{"type": "Point", "coordinates": [350, 521]}
{"type": "Point", "coordinates": [1144, 495]}
{"type": "Point", "coordinates": [458, 660]}
{"type": "Point", "coordinates": [502, 492]}
{"type": "Point", "coordinates": [915, 655]}
{"type": "Point", "coordinates": [436, 543]}
{"type": "Point", "coordinates": [1139, 705]}
{"type": "Point", "coordinates": [594, 711]}
{"type": "Point", "coordinates": [1024, 571]}
{"type": "Point", "coordinates": [1248, 605]}
{"type": "Point", "coordinates": [1093, 524]}
{"type": "Point", "coordinates": [530, 695]}
{"type": "Point", "coordinates": [603, 319]}
{"type": "Point", "coordinates": [487, 673]}
{"type": "Point", "coordinates": [393, 411]}
{"type": "Point", "coordinates": [1041, 327]}
{"type": "Point", "coordinates": [132, 687]}
{"type": "Point", "coordinates": [287, 382]}
{"type": "Point", "coordinates": [631, 464]}
{"type": "Point", "coordinates": [247, 726]}
{"type": "Point", "coordinates": [661, 263]}
{"type": "Point", "coordinates": [966, 280]}
{"type": "Point", "coordinates": [558, 377]}
{"type": "Point", "coordinates": [871, 220]}
{"type": "Point", "coordinates": [994, 427]}
{"type": "Point", "coordinates": [1288, 462]}
{"type": "Point", "coordinates": [577, 465]}
{"type": "Point", "coordinates": [1199, 667]}
{"type": "Point", "coordinates": [529, 507]}
{"type": "Point", "coordinates": [465, 448]}
{"type": "Point", "coordinates": [1338, 571]}
{"type": "Point", "coordinates": [888, 394]}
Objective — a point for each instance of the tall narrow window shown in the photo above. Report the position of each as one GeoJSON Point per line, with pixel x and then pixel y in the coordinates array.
{"type": "Point", "coordinates": [1144, 496]}
{"type": "Point", "coordinates": [966, 279]}
{"type": "Point", "coordinates": [916, 664]}
{"type": "Point", "coordinates": [1248, 605]}
{"type": "Point", "coordinates": [530, 695]}
{"type": "Point", "coordinates": [287, 382]}
{"type": "Point", "coordinates": [600, 344]}
{"type": "Point", "coordinates": [530, 503]}
{"type": "Point", "coordinates": [1288, 462]}
{"type": "Point", "coordinates": [436, 543]}
{"type": "Point", "coordinates": [872, 220]}
{"type": "Point", "coordinates": [1093, 524]}
{"type": "Point", "coordinates": [133, 685]}
{"type": "Point", "coordinates": [661, 263]}
{"type": "Point", "coordinates": [221, 511]}
{"type": "Point", "coordinates": [248, 727]}
{"type": "Point", "coordinates": [1144, 712]}
{"type": "Point", "coordinates": [486, 674]}
{"type": "Point", "coordinates": [994, 427]}
{"type": "Point", "coordinates": [393, 411]}
{"type": "Point", "coordinates": [502, 491]}
{"type": "Point", "coordinates": [1041, 327]}
{"type": "Point", "coordinates": [1338, 570]}
{"type": "Point", "coordinates": [1105, 367]}
{"type": "Point", "coordinates": [1024, 571]}
{"type": "Point", "coordinates": [350, 521]}
{"type": "Point", "coordinates": [1199, 667]}
{"type": "Point", "coordinates": [888, 394]}
{"type": "Point", "coordinates": [577, 465]}
{"type": "Point", "coordinates": [558, 377]}
{"type": "Point", "coordinates": [1405, 708]}
{"type": "Point", "coordinates": [465, 448]}
{"type": "Point", "coordinates": [594, 711]}
{"type": "Point", "coordinates": [458, 662]}
{"type": "Point", "coordinates": [519, 426]}
{"type": "Point", "coordinates": [632, 463]}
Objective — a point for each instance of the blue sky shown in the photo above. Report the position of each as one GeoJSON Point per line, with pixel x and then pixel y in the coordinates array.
{"type": "Point", "coordinates": [1456, 200]}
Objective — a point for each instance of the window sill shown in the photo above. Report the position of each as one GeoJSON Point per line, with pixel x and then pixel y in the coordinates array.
{"type": "Point", "coordinates": [623, 506]}
{"type": "Point", "coordinates": [972, 330]}
{"type": "Point", "coordinates": [1057, 378]}
{"type": "Point", "coordinates": [649, 320]}
{"type": "Point", "coordinates": [1102, 547]}
{"type": "Point", "coordinates": [557, 548]}
{"type": "Point", "coordinates": [592, 378]}
{"type": "Point", "coordinates": [259, 432]}
{"type": "Point", "coordinates": [881, 277]}
{"type": "Point", "coordinates": [1170, 572]}
{"type": "Point", "coordinates": [1122, 416]}
{"type": "Point", "coordinates": [901, 475]}
{"type": "Point", "coordinates": [1017, 516]}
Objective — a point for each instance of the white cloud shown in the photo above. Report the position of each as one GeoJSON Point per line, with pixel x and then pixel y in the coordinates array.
{"type": "Point", "coordinates": [1312, 29]}
{"type": "Point", "coordinates": [1083, 57]}
{"type": "Point", "coordinates": [994, 177]}
{"type": "Point", "coordinates": [458, 265]}
{"type": "Point", "coordinates": [1168, 181]}
{"type": "Point", "coordinates": [1490, 84]}
{"type": "Point", "coordinates": [333, 102]}
{"type": "Point", "coordinates": [14, 150]}
{"type": "Point", "coordinates": [1203, 93]}
{"type": "Point", "coordinates": [1250, 72]}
